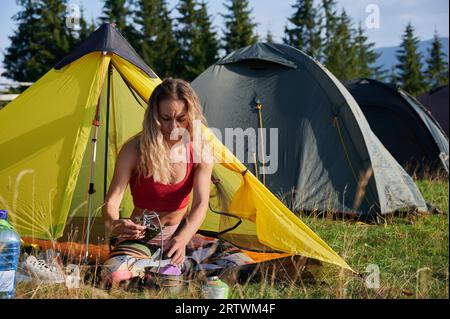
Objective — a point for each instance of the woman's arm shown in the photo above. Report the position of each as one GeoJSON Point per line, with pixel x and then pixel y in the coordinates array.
{"type": "Point", "coordinates": [125, 164]}
{"type": "Point", "coordinates": [196, 216]}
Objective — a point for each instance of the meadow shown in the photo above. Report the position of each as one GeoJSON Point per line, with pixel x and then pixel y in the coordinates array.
{"type": "Point", "coordinates": [410, 253]}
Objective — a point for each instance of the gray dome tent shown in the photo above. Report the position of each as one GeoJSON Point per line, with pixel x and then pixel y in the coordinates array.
{"type": "Point", "coordinates": [404, 126]}
{"type": "Point", "coordinates": [436, 101]}
{"type": "Point", "coordinates": [328, 158]}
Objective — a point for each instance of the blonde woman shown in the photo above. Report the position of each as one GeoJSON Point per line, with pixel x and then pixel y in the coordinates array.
{"type": "Point", "coordinates": [158, 183]}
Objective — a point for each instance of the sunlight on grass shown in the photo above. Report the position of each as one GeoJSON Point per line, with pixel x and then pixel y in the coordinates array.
{"type": "Point", "coordinates": [411, 253]}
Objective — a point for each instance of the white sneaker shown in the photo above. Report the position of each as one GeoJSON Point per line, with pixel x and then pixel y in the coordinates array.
{"type": "Point", "coordinates": [118, 263]}
{"type": "Point", "coordinates": [42, 271]}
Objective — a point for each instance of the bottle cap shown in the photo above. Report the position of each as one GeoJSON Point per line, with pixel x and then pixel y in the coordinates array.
{"type": "Point", "coordinates": [213, 278]}
{"type": "Point", "coordinates": [3, 214]}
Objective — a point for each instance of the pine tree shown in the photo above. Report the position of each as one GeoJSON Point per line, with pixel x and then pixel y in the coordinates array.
{"type": "Point", "coordinates": [208, 42]}
{"type": "Point", "coordinates": [84, 30]}
{"type": "Point", "coordinates": [330, 19]}
{"type": "Point", "coordinates": [155, 40]}
{"type": "Point", "coordinates": [41, 40]}
{"type": "Point", "coordinates": [340, 52]}
{"type": "Point", "coordinates": [239, 26]}
{"type": "Point", "coordinates": [269, 36]}
{"type": "Point", "coordinates": [366, 56]}
{"type": "Point", "coordinates": [306, 31]}
{"type": "Point", "coordinates": [196, 38]}
{"type": "Point", "coordinates": [437, 67]}
{"type": "Point", "coordinates": [56, 36]}
{"type": "Point", "coordinates": [187, 36]}
{"type": "Point", "coordinates": [409, 67]}
{"type": "Point", "coordinates": [18, 55]}
{"type": "Point", "coordinates": [330, 16]}
{"type": "Point", "coordinates": [117, 12]}
{"type": "Point", "coordinates": [393, 78]}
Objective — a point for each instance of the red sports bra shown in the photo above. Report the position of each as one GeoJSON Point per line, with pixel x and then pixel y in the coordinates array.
{"type": "Point", "coordinates": [158, 197]}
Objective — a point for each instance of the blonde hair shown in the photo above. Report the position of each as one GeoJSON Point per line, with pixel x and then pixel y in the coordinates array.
{"type": "Point", "coordinates": [154, 152]}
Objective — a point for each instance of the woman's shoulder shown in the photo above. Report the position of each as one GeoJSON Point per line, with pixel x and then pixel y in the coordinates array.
{"type": "Point", "coordinates": [132, 144]}
{"type": "Point", "coordinates": [130, 150]}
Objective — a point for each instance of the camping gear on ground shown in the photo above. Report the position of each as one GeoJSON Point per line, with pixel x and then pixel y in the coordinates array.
{"type": "Point", "coordinates": [215, 288]}
{"type": "Point", "coordinates": [154, 227]}
{"type": "Point", "coordinates": [134, 258]}
{"type": "Point", "coordinates": [23, 276]}
{"type": "Point", "coordinates": [117, 269]}
{"type": "Point", "coordinates": [72, 251]}
{"type": "Point", "coordinates": [9, 257]}
{"type": "Point", "coordinates": [328, 158]}
{"type": "Point", "coordinates": [404, 126]}
{"type": "Point", "coordinates": [136, 248]}
{"type": "Point", "coordinates": [45, 266]}
{"type": "Point", "coordinates": [207, 257]}
{"type": "Point", "coordinates": [73, 276]}
{"type": "Point", "coordinates": [105, 83]}
{"type": "Point", "coordinates": [436, 101]}
{"type": "Point", "coordinates": [126, 268]}
{"type": "Point", "coordinates": [44, 272]}
{"type": "Point", "coordinates": [169, 278]}
{"type": "Point", "coordinates": [129, 259]}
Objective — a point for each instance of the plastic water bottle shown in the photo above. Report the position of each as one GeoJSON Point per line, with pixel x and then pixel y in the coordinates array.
{"type": "Point", "coordinates": [215, 289]}
{"type": "Point", "coordinates": [9, 257]}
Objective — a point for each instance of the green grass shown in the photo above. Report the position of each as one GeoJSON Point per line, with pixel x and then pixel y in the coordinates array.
{"type": "Point", "coordinates": [435, 192]}
{"type": "Point", "coordinates": [412, 254]}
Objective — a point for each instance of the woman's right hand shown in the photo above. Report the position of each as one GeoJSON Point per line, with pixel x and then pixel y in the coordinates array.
{"type": "Point", "coordinates": [127, 229]}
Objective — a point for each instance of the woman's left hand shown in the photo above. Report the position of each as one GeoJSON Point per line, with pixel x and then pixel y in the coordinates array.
{"type": "Point", "coordinates": [177, 251]}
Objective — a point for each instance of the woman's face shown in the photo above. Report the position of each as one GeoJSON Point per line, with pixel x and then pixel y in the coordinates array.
{"type": "Point", "coordinates": [173, 114]}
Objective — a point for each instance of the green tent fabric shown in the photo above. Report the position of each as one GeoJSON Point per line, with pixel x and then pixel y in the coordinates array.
{"type": "Point", "coordinates": [47, 158]}
{"type": "Point", "coordinates": [328, 157]}
{"type": "Point", "coordinates": [46, 138]}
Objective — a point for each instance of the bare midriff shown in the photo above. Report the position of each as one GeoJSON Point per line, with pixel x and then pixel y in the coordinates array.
{"type": "Point", "coordinates": [166, 218]}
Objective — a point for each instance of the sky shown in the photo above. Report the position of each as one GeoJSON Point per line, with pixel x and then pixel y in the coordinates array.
{"type": "Point", "coordinates": [426, 16]}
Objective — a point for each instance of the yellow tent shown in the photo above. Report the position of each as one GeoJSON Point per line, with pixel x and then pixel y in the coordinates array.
{"type": "Point", "coordinates": [99, 93]}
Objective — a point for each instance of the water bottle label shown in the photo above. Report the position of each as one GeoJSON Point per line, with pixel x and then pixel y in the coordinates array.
{"type": "Point", "coordinates": [7, 280]}
{"type": "Point", "coordinates": [215, 293]}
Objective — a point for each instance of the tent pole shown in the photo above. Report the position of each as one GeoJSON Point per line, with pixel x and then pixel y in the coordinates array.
{"type": "Point", "coordinates": [96, 123]}
{"type": "Point", "coordinates": [259, 107]}
{"type": "Point", "coordinates": [91, 191]}
{"type": "Point", "coordinates": [108, 97]}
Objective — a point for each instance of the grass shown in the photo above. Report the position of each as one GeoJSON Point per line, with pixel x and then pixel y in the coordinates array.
{"type": "Point", "coordinates": [411, 253]}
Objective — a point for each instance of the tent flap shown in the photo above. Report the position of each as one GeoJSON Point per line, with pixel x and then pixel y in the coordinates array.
{"type": "Point", "coordinates": [48, 128]}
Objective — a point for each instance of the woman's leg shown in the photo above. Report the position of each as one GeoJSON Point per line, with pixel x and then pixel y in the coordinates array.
{"type": "Point", "coordinates": [121, 259]}
{"type": "Point", "coordinates": [117, 269]}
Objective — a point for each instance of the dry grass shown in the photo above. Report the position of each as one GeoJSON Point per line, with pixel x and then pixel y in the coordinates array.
{"type": "Point", "coordinates": [410, 252]}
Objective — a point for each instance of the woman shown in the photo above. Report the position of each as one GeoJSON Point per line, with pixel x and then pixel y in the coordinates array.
{"type": "Point", "coordinates": [157, 181]}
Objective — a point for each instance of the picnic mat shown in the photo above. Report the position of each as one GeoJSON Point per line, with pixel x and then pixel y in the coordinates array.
{"type": "Point", "coordinates": [206, 256]}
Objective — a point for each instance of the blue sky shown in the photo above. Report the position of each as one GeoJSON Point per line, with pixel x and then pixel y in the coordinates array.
{"type": "Point", "coordinates": [426, 15]}
{"type": "Point", "coordinates": [394, 14]}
